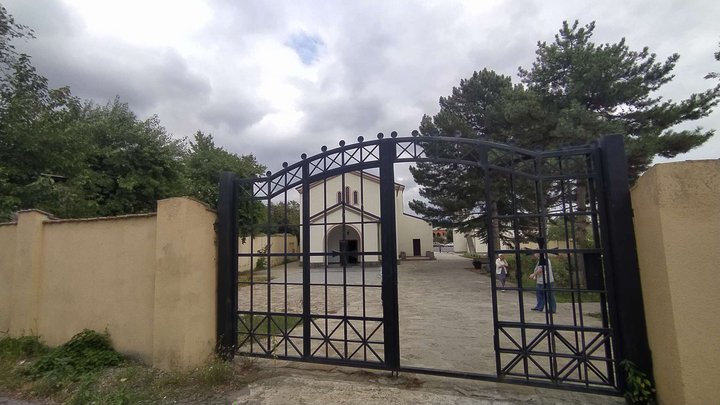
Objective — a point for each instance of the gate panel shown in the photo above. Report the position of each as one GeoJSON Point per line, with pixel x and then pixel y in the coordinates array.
{"type": "Point", "coordinates": [553, 214]}
{"type": "Point", "coordinates": [318, 282]}
{"type": "Point", "coordinates": [311, 285]}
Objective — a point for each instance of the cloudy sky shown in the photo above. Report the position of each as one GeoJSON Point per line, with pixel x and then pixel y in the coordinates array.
{"type": "Point", "coordinates": [279, 78]}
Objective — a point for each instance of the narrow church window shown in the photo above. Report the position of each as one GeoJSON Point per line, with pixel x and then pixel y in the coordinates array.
{"type": "Point", "coordinates": [355, 197]}
{"type": "Point", "coordinates": [347, 195]}
{"type": "Point", "coordinates": [339, 197]}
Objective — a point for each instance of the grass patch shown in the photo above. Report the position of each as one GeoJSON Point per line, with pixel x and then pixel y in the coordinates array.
{"type": "Point", "coordinates": [86, 370]}
{"type": "Point", "coordinates": [261, 325]}
{"type": "Point", "coordinates": [22, 347]}
{"type": "Point", "coordinates": [567, 297]}
{"type": "Point", "coordinates": [259, 274]}
{"type": "Point", "coordinates": [527, 265]}
{"type": "Point", "coordinates": [244, 277]}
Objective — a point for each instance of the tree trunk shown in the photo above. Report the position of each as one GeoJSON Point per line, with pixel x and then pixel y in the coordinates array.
{"type": "Point", "coordinates": [470, 244]}
{"type": "Point", "coordinates": [495, 226]}
{"type": "Point", "coordinates": [581, 235]}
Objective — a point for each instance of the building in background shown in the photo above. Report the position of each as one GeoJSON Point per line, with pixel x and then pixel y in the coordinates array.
{"type": "Point", "coordinates": [345, 221]}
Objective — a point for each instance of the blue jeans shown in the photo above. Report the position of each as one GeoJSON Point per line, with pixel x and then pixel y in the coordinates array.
{"type": "Point", "coordinates": [540, 291]}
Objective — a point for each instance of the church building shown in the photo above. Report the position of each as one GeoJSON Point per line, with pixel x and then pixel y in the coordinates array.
{"type": "Point", "coordinates": [345, 221]}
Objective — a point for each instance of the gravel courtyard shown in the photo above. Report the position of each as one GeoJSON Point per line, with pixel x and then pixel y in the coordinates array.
{"type": "Point", "coordinates": [445, 310]}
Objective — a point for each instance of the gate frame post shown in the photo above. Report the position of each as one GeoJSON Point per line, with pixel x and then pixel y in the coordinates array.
{"type": "Point", "coordinates": [627, 310]}
{"type": "Point", "coordinates": [391, 330]}
{"type": "Point", "coordinates": [227, 269]}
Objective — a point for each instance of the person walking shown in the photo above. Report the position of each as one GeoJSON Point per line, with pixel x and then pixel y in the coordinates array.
{"type": "Point", "coordinates": [501, 270]}
{"type": "Point", "coordinates": [544, 284]}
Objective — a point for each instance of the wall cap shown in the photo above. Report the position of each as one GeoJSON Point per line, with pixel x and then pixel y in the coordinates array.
{"type": "Point", "coordinates": [93, 219]}
{"type": "Point", "coordinates": [47, 214]}
{"type": "Point", "coordinates": [204, 204]}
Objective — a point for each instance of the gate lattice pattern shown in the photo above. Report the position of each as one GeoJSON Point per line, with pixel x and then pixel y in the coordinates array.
{"type": "Point", "coordinates": [326, 289]}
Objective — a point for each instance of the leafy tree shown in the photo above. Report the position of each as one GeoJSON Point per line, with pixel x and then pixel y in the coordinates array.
{"type": "Point", "coordinates": [129, 164]}
{"type": "Point", "coordinates": [36, 148]}
{"type": "Point", "coordinates": [285, 218]}
{"type": "Point", "coordinates": [205, 162]}
{"type": "Point", "coordinates": [575, 92]}
{"type": "Point", "coordinates": [71, 158]}
{"type": "Point", "coordinates": [203, 165]}
{"type": "Point", "coordinates": [78, 159]}
{"type": "Point", "coordinates": [9, 30]}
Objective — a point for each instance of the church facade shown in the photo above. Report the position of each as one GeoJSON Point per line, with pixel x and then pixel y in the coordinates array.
{"type": "Point", "coordinates": [345, 223]}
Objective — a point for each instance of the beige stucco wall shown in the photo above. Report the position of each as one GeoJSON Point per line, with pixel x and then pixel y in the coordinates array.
{"type": "Point", "coordinates": [460, 243]}
{"type": "Point", "coordinates": [676, 210]}
{"type": "Point", "coordinates": [410, 228]}
{"type": "Point", "coordinates": [185, 315]}
{"type": "Point", "coordinates": [8, 234]}
{"type": "Point", "coordinates": [279, 243]}
{"type": "Point", "coordinates": [99, 274]}
{"type": "Point", "coordinates": [149, 279]}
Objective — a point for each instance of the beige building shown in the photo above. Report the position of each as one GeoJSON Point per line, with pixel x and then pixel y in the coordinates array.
{"type": "Point", "coordinates": [345, 217]}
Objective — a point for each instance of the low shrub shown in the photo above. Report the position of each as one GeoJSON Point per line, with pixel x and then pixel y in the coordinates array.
{"type": "Point", "coordinates": [87, 352]}
{"type": "Point", "coordinates": [21, 347]}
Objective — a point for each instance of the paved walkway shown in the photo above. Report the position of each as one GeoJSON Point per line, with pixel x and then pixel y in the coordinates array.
{"type": "Point", "coordinates": [446, 316]}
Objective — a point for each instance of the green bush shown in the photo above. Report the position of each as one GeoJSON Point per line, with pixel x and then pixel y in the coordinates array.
{"type": "Point", "coordinates": [21, 347]}
{"type": "Point", "coordinates": [639, 388]}
{"type": "Point", "coordinates": [261, 262]}
{"type": "Point", "coordinates": [86, 353]}
{"type": "Point", "coordinates": [561, 272]}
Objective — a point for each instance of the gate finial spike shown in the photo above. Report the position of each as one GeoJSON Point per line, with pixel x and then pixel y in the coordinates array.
{"type": "Point", "coordinates": [303, 156]}
{"type": "Point", "coordinates": [415, 132]}
{"type": "Point", "coordinates": [342, 143]}
{"type": "Point", "coordinates": [323, 148]}
{"type": "Point", "coordinates": [268, 173]}
{"type": "Point", "coordinates": [285, 164]}
{"type": "Point", "coordinates": [360, 139]}
{"type": "Point", "coordinates": [393, 134]}
{"type": "Point", "coordinates": [380, 135]}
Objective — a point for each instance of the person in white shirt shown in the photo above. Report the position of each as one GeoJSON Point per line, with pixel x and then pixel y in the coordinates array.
{"type": "Point", "coordinates": [544, 289]}
{"type": "Point", "coordinates": [501, 270]}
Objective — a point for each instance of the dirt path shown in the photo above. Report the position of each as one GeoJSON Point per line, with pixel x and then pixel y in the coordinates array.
{"type": "Point", "coordinates": [280, 383]}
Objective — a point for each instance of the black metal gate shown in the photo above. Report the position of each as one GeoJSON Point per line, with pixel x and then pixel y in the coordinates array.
{"type": "Point", "coordinates": [319, 283]}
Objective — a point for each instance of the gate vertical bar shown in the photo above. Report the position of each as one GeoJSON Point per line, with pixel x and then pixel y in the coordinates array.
{"type": "Point", "coordinates": [388, 242]}
{"type": "Point", "coordinates": [305, 220]}
{"type": "Point", "coordinates": [489, 211]}
{"type": "Point", "coordinates": [626, 301]}
{"type": "Point", "coordinates": [227, 270]}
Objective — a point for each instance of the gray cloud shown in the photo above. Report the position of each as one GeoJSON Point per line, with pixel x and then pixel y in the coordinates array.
{"type": "Point", "coordinates": [234, 114]}
{"type": "Point", "coordinates": [381, 66]}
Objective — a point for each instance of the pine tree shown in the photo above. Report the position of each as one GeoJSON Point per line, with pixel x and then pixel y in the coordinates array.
{"type": "Point", "coordinates": [575, 92]}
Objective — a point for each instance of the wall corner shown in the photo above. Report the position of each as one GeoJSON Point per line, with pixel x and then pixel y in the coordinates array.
{"type": "Point", "coordinates": [27, 275]}
{"type": "Point", "coordinates": [185, 285]}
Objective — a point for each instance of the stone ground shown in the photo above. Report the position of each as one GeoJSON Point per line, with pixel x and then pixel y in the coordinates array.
{"type": "Point", "coordinates": [445, 309]}
{"type": "Point", "coordinates": [281, 382]}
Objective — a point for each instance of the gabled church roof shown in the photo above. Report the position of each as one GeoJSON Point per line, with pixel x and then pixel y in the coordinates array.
{"type": "Point", "coordinates": [338, 206]}
{"type": "Point", "coordinates": [365, 176]}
